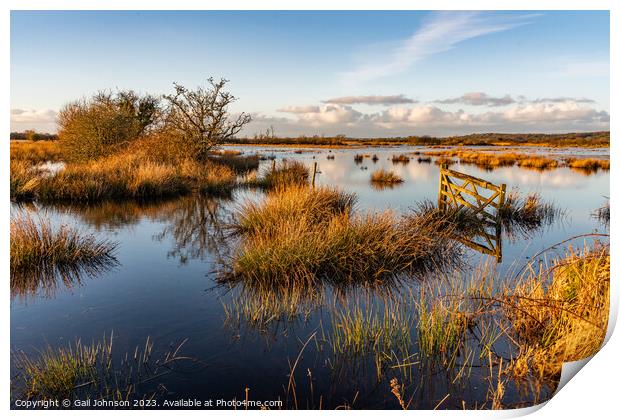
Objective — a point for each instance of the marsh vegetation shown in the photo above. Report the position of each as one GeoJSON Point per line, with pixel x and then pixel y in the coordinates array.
{"type": "Point", "coordinates": [319, 288]}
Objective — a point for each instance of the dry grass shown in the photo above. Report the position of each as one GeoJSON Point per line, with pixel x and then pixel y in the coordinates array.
{"type": "Point", "coordinates": [588, 165]}
{"type": "Point", "coordinates": [538, 162]}
{"type": "Point", "coordinates": [404, 159]}
{"type": "Point", "coordinates": [381, 176]}
{"type": "Point", "coordinates": [128, 176]}
{"type": "Point", "coordinates": [35, 151]}
{"type": "Point", "coordinates": [24, 179]}
{"type": "Point", "coordinates": [40, 254]}
{"type": "Point", "coordinates": [284, 242]}
{"type": "Point", "coordinates": [560, 314]}
{"type": "Point", "coordinates": [284, 174]}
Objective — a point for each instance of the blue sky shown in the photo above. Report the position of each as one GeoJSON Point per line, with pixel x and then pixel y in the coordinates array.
{"type": "Point", "coordinates": [350, 72]}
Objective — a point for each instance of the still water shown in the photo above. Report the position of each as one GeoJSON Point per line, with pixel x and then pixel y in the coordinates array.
{"type": "Point", "coordinates": [164, 286]}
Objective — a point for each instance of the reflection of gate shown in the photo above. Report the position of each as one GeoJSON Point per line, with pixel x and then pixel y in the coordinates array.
{"type": "Point", "coordinates": [459, 190]}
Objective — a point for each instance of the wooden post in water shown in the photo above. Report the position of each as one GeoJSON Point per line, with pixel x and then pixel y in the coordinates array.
{"type": "Point", "coordinates": [314, 174]}
{"type": "Point", "coordinates": [498, 223]}
{"type": "Point", "coordinates": [273, 166]}
{"type": "Point", "coordinates": [441, 202]}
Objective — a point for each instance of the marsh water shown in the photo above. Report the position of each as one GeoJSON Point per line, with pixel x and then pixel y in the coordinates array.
{"type": "Point", "coordinates": [164, 286]}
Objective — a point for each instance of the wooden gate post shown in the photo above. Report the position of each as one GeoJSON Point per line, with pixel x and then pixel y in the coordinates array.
{"type": "Point", "coordinates": [313, 174]}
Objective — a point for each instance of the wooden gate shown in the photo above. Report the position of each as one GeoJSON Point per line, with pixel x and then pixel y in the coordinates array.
{"type": "Point", "coordinates": [458, 190]}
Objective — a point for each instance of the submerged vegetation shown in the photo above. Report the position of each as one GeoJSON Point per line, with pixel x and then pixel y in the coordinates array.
{"type": "Point", "coordinates": [84, 371]}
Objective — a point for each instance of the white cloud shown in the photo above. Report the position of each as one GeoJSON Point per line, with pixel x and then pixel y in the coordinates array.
{"type": "Point", "coordinates": [441, 33]}
{"type": "Point", "coordinates": [326, 114]}
{"type": "Point", "coordinates": [40, 120]}
{"type": "Point", "coordinates": [552, 116]}
{"type": "Point", "coordinates": [371, 100]}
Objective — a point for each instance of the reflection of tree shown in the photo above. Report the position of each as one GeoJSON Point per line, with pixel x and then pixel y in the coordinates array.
{"type": "Point", "coordinates": [194, 222]}
{"type": "Point", "coordinates": [196, 225]}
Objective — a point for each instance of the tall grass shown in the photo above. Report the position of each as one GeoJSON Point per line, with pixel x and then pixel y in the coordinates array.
{"type": "Point", "coordinates": [284, 242]}
{"type": "Point", "coordinates": [523, 214]}
{"type": "Point", "coordinates": [284, 174]}
{"type": "Point", "coordinates": [40, 254]}
{"type": "Point", "coordinates": [24, 180]}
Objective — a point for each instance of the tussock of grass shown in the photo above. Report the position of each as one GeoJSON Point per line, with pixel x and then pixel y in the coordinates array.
{"type": "Point", "coordinates": [588, 165]}
{"type": "Point", "coordinates": [404, 159]}
{"type": "Point", "coordinates": [297, 203]}
{"type": "Point", "coordinates": [381, 176]}
{"type": "Point", "coordinates": [283, 243]}
{"type": "Point", "coordinates": [538, 162]}
{"type": "Point", "coordinates": [358, 158]}
{"type": "Point", "coordinates": [35, 151]}
{"type": "Point", "coordinates": [284, 174]}
{"type": "Point", "coordinates": [523, 214]}
{"type": "Point", "coordinates": [40, 254]}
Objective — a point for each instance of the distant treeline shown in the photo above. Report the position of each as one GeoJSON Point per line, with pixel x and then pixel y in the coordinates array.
{"type": "Point", "coordinates": [32, 135]}
{"type": "Point", "coordinates": [594, 139]}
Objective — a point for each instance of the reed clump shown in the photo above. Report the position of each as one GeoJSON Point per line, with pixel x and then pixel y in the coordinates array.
{"type": "Point", "coordinates": [284, 243]}
{"type": "Point", "coordinates": [588, 165]}
{"type": "Point", "coordinates": [41, 253]}
{"type": "Point", "coordinates": [404, 159]}
{"type": "Point", "coordinates": [526, 213]}
{"type": "Point", "coordinates": [286, 173]}
{"type": "Point", "coordinates": [538, 162]}
{"type": "Point", "coordinates": [382, 176]}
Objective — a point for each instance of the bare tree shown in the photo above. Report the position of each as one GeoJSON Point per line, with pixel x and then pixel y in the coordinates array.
{"type": "Point", "coordinates": [201, 116]}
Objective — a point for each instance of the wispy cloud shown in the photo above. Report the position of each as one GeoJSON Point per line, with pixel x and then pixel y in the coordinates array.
{"type": "Point", "coordinates": [442, 32]}
{"type": "Point", "coordinates": [479, 98]}
{"type": "Point", "coordinates": [371, 100]}
{"type": "Point", "coordinates": [484, 99]}
{"type": "Point", "coordinates": [563, 99]}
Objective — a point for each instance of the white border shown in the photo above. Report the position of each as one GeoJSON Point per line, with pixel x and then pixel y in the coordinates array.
{"type": "Point", "coordinates": [592, 394]}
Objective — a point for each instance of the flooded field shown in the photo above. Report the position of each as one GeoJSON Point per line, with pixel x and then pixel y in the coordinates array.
{"type": "Point", "coordinates": [355, 346]}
